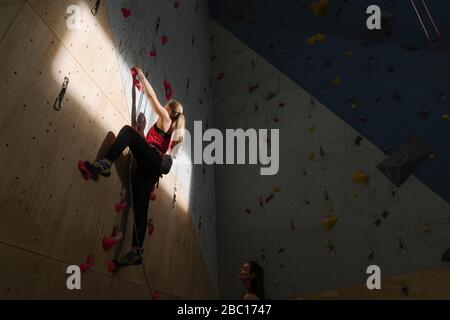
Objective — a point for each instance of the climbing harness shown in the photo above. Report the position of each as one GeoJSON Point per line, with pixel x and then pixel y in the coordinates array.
{"type": "Point", "coordinates": [58, 102]}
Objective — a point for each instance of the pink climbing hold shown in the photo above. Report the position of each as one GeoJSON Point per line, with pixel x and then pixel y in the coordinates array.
{"type": "Point", "coordinates": [168, 88]}
{"type": "Point", "coordinates": [220, 76]}
{"type": "Point", "coordinates": [112, 267]}
{"type": "Point", "coordinates": [120, 206]}
{"type": "Point", "coordinates": [151, 227]}
{"type": "Point", "coordinates": [153, 54]}
{"type": "Point", "coordinates": [270, 198]}
{"type": "Point", "coordinates": [164, 40]}
{"type": "Point", "coordinates": [126, 12]}
{"type": "Point", "coordinates": [155, 295]}
{"type": "Point", "coordinates": [111, 241]}
{"type": "Point", "coordinates": [136, 82]}
{"type": "Point", "coordinates": [90, 261]}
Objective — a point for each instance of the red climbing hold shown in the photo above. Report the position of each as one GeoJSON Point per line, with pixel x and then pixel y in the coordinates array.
{"type": "Point", "coordinates": [153, 197]}
{"type": "Point", "coordinates": [220, 76]}
{"type": "Point", "coordinates": [153, 54]}
{"type": "Point", "coordinates": [120, 206]}
{"type": "Point", "coordinates": [136, 82]}
{"type": "Point", "coordinates": [270, 198]}
{"type": "Point", "coordinates": [115, 238]}
{"type": "Point", "coordinates": [168, 88]}
{"type": "Point", "coordinates": [112, 267]}
{"type": "Point", "coordinates": [126, 12]}
{"type": "Point", "coordinates": [155, 295]}
{"type": "Point", "coordinates": [164, 40]}
{"type": "Point", "coordinates": [90, 261]}
{"type": "Point", "coordinates": [151, 227]}
{"type": "Point", "coordinates": [248, 211]}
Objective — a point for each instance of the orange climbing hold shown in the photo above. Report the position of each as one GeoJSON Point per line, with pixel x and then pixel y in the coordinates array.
{"type": "Point", "coordinates": [361, 177]}
{"type": "Point", "coordinates": [320, 8]}
{"type": "Point", "coordinates": [330, 222]}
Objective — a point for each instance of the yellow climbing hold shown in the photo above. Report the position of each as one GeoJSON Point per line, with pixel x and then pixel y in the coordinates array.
{"type": "Point", "coordinates": [319, 37]}
{"type": "Point", "coordinates": [426, 228]}
{"type": "Point", "coordinates": [446, 117]}
{"type": "Point", "coordinates": [320, 8]}
{"type": "Point", "coordinates": [312, 156]}
{"type": "Point", "coordinates": [330, 222]}
{"type": "Point", "coordinates": [361, 177]}
{"type": "Point", "coordinates": [337, 81]}
{"type": "Point", "coordinates": [312, 129]}
{"type": "Point", "coordinates": [276, 189]}
{"type": "Point", "coordinates": [349, 53]}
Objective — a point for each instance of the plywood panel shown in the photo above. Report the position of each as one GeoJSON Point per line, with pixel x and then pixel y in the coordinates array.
{"type": "Point", "coordinates": [8, 11]}
{"type": "Point", "coordinates": [46, 209]}
{"type": "Point", "coordinates": [91, 45]}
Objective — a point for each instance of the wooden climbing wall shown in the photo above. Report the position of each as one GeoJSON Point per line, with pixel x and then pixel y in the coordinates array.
{"type": "Point", "coordinates": [49, 217]}
{"type": "Point", "coordinates": [427, 284]}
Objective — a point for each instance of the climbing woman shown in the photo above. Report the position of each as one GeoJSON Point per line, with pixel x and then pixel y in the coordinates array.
{"type": "Point", "coordinates": [149, 152]}
{"type": "Point", "coordinates": [252, 276]}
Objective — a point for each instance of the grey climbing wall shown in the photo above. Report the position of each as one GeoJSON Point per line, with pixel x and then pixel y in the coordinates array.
{"type": "Point", "coordinates": [170, 41]}
{"type": "Point", "coordinates": [281, 221]}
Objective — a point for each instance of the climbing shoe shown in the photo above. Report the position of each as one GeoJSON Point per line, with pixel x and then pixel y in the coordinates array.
{"type": "Point", "coordinates": [91, 170]}
{"type": "Point", "coordinates": [132, 258]}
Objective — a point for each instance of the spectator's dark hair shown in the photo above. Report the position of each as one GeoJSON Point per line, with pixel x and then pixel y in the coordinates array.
{"type": "Point", "coordinates": [257, 283]}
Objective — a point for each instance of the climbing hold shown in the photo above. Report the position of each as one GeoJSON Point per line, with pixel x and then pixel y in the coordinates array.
{"type": "Point", "coordinates": [253, 88]}
{"type": "Point", "coordinates": [329, 222]}
{"type": "Point", "coordinates": [270, 198]}
{"type": "Point", "coordinates": [426, 228]}
{"type": "Point", "coordinates": [320, 8]}
{"type": "Point", "coordinates": [312, 129]}
{"type": "Point", "coordinates": [153, 197]}
{"type": "Point", "coordinates": [248, 211]}
{"type": "Point", "coordinates": [126, 12]}
{"type": "Point", "coordinates": [446, 256]}
{"type": "Point", "coordinates": [358, 140]}
{"type": "Point", "coordinates": [134, 74]}
{"type": "Point", "coordinates": [330, 248]}
{"type": "Point", "coordinates": [405, 291]}
{"type": "Point", "coordinates": [317, 38]}
{"type": "Point", "coordinates": [155, 295]}
{"type": "Point", "coordinates": [111, 241]}
{"type": "Point", "coordinates": [151, 227]}
{"type": "Point", "coordinates": [153, 54]}
{"type": "Point", "coordinates": [378, 222]}
{"type": "Point", "coordinates": [164, 40]}
{"type": "Point", "coordinates": [337, 81]}
{"type": "Point", "coordinates": [168, 89]}
{"type": "Point", "coordinates": [385, 214]}
{"type": "Point", "coordinates": [176, 5]}
{"type": "Point", "coordinates": [220, 76]}
{"type": "Point", "coordinates": [276, 189]}
{"type": "Point", "coordinates": [118, 207]}
{"type": "Point", "coordinates": [349, 53]}
{"type": "Point", "coordinates": [90, 261]}
{"type": "Point", "coordinates": [405, 161]}
{"type": "Point", "coordinates": [112, 267]}
{"type": "Point", "coordinates": [446, 117]}
{"type": "Point", "coordinates": [360, 177]}
{"type": "Point", "coordinates": [58, 102]}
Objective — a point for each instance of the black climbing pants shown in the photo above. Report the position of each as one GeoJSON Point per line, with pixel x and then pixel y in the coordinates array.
{"type": "Point", "coordinates": [144, 177]}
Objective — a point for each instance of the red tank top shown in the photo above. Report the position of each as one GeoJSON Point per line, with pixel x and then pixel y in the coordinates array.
{"type": "Point", "coordinates": [159, 139]}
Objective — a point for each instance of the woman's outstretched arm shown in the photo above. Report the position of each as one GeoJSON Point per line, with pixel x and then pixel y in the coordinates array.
{"type": "Point", "coordinates": [159, 109]}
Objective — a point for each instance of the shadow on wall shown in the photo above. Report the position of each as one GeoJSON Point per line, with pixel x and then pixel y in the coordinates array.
{"type": "Point", "coordinates": [48, 214]}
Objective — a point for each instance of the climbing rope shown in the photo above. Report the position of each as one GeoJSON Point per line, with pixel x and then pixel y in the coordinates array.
{"type": "Point", "coordinates": [430, 42]}
{"type": "Point", "coordinates": [430, 16]}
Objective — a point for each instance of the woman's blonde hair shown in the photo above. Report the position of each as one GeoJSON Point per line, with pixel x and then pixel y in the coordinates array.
{"type": "Point", "coordinates": [177, 116]}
